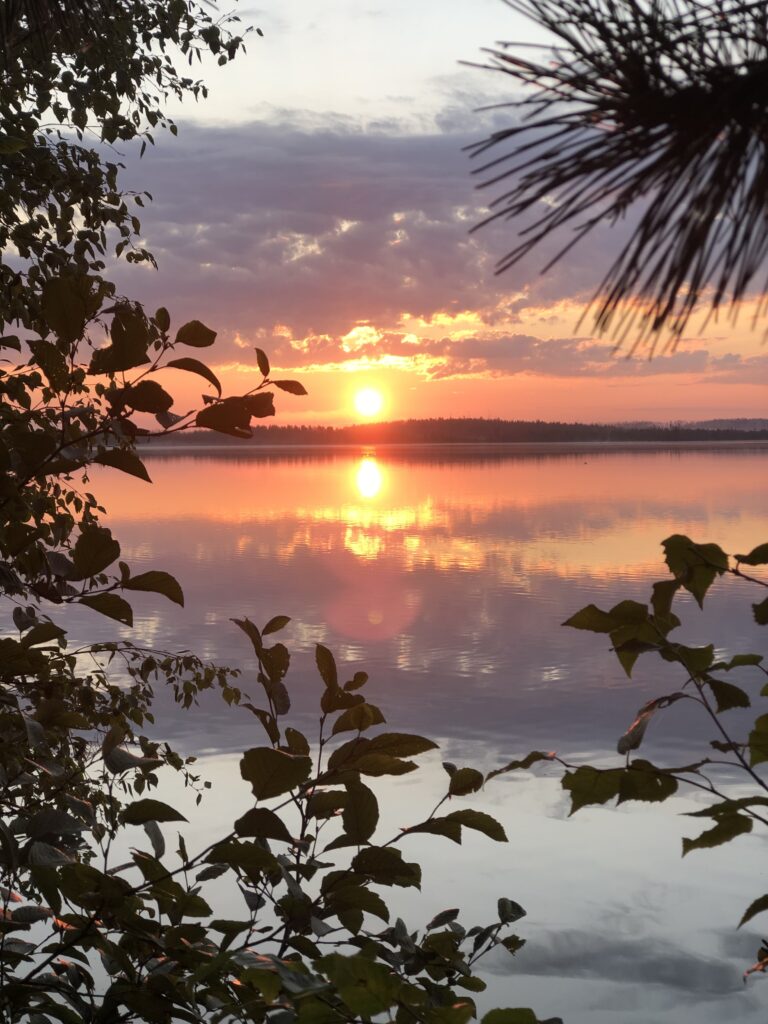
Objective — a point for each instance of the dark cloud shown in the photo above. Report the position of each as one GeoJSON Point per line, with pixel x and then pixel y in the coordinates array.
{"type": "Point", "coordinates": [569, 953]}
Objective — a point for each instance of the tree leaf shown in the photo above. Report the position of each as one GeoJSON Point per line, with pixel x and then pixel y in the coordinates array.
{"type": "Point", "coordinates": [727, 695]}
{"type": "Point", "coordinates": [263, 824]}
{"type": "Point", "coordinates": [438, 827]}
{"type": "Point", "coordinates": [399, 744]}
{"type": "Point", "coordinates": [386, 866]}
{"type": "Point", "coordinates": [760, 612]}
{"type": "Point", "coordinates": [67, 303]}
{"type": "Point", "coordinates": [273, 772]}
{"type": "Point", "coordinates": [727, 827]}
{"type": "Point", "coordinates": [111, 605]}
{"type": "Point", "coordinates": [633, 737]}
{"type": "Point", "coordinates": [521, 765]}
{"type": "Point", "coordinates": [516, 1015]}
{"type": "Point", "coordinates": [94, 550]}
{"type": "Point", "coordinates": [361, 813]}
{"type": "Point", "coordinates": [589, 785]}
{"type": "Point", "coordinates": [251, 631]}
{"type": "Point", "coordinates": [275, 624]}
{"type": "Point", "coordinates": [124, 460]}
{"type": "Point", "coordinates": [157, 582]}
{"type": "Point", "coordinates": [262, 362]}
{"type": "Point", "coordinates": [757, 906]}
{"type": "Point", "coordinates": [293, 387]}
{"type": "Point", "coordinates": [358, 719]}
{"type": "Point", "coordinates": [195, 366]}
{"type": "Point", "coordinates": [147, 396]}
{"type": "Point", "coordinates": [54, 822]}
{"type": "Point", "coordinates": [464, 781]}
{"type": "Point", "coordinates": [195, 334]}
{"type": "Point", "coordinates": [480, 822]}
{"type": "Point", "coordinates": [642, 781]}
{"type": "Point", "coordinates": [443, 918]}
{"type": "Point", "coordinates": [757, 556]}
{"type": "Point", "coordinates": [509, 911]}
{"type": "Point", "coordinates": [229, 416]}
{"type": "Point", "coordinates": [758, 741]}
{"type": "Point", "coordinates": [163, 319]}
{"type": "Point", "coordinates": [326, 665]}
{"type": "Point", "coordinates": [141, 811]}
{"type": "Point", "coordinates": [591, 618]}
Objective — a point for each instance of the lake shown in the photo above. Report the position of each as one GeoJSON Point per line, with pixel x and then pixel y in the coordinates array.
{"type": "Point", "coordinates": [446, 574]}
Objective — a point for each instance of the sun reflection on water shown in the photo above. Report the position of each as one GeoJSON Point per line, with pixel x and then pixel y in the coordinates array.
{"type": "Point", "coordinates": [368, 478]}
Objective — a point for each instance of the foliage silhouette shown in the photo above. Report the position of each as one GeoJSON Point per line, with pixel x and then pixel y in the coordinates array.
{"type": "Point", "coordinates": [85, 935]}
{"type": "Point", "coordinates": [636, 630]}
{"type": "Point", "coordinates": [657, 107]}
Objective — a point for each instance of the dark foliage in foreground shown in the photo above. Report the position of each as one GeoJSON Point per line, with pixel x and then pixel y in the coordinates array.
{"type": "Point", "coordinates": [661, 104]}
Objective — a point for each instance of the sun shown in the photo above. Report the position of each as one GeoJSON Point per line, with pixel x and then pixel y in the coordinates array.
{"type": "Point", "coordinates": [368, 402]}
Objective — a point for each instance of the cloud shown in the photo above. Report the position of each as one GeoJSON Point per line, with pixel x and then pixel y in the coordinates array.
{"type": "Point", "coordinates": [323, 244]}
{"type": "Point", "coordinates": [317, 225]}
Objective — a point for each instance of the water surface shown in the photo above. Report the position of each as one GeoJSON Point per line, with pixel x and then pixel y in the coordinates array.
{"type": "Point", "coordinates": [446, 575]}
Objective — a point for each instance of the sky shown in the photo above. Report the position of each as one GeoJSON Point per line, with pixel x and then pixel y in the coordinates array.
{"type": "Point", "coordinates": [319, 205]}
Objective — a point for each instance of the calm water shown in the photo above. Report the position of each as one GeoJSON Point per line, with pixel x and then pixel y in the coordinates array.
{"type": "Point", "coordinates": [446, 577]}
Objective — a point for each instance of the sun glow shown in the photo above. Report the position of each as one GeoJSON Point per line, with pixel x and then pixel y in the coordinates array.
{"type": "Point", "coordinates": [368, 402]}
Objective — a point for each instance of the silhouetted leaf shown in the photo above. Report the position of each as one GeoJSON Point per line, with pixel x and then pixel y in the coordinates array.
{"type": "Point", "coordinates": [251, 631]}
{"type": "Point", "coordinates": [273, 772]}
{"type": "Point", "coordinates": [163, 319]}
{"type": "Point", "coordinates": [358, 718]}
{"type": "Point", "coordinates": [195, 334]}
{"type": "Point", "coordinates": [326, 666]}
{"type": "Point", "coordinates": [757, 556]}
{"type": "Point", "coordinates": [264, 824]}
{"type": "Point", "coordinates": [758, 906]}
{"type": "Point", "coordinates": [386, 866]}
{"type": "Point", "coordinates": [124, 460]}
{"type": "Point", "coordinates": [67, 302]}
{"type": "Point", "coordinates": [141, 811]}
{"type": "Point", "coordinates": [480, 822]}
{"type": "Point", "coordinates": [727, 827]}
{"type": "Point", "coordinates": [157, 582]}
{"type": "Point", "coordinates": [275, 624]}
{"type": "Point", "coordinates": [195, 366]}
{"type": "Point", "coordinates": [642, 781]}
{"type": "Point", "coordinates": [727, 695]}
{"type": "Point", "coordinates": [633, 737]}
{"type": "Point", "coordinates": [523, 764]}
{"type": "Point", "coordinates": [589, 785]}
{"type": "Point", "coordinates": [361, 813]}
{"type": "Point", "coordinates": [509, 911]}
{"type": "Point", "coordinates": [293, 387]}
{"type": "Point", "coordinates": [760, 612]}
{"type": "Point", "coordinates": [147, 396]}
{"type": "Point", "coordinates": [230, 416]}
{"type": "Point", "coordinates": [758, 741]}
{"type": "Point", "coordinates": [464, 781]}
{"type": "Point", "coordinates": [111, 605]}
{"type": "Point", "coordinates": [94, 550]}
{"type": "Point", "coordinates": [591, 618]}
{"type": "Point", "coordinates": [262, 362]}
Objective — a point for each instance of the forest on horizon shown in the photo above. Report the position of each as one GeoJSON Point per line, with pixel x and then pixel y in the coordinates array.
{"type": "Point", "coordinates": [482, 431]}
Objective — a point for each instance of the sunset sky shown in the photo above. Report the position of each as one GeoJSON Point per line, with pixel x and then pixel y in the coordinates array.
{"type": "Point", "coordinates": [318, 205]}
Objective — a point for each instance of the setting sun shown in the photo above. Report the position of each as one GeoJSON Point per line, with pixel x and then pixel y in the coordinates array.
{"type": "Point", "coordinates": [368, 402]}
